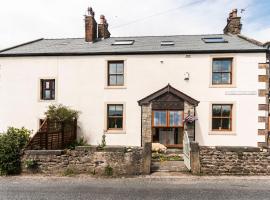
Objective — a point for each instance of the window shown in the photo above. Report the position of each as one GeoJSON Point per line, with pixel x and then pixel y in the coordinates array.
{"type": "Point", "coordinates": [123, 42]}
{"type": "Point", "coordinates": [222, 71]}
{"type": "Point", "coordinates": [222, 117]}
{"type": "Point", "coordinates": [115, 116]}
{"type": "Point", "coordinates": [167, 43]}
{"type": "Point", "coordinates": [47, 89]}
{"type": "Point", "coordinates": [116, 73]}
{"type": "Point", "coordinates": [168, 118]}
{"type": "Point", "coordinates": [160, 118]}
{"type": "Point", "coordinates": [214, 40]}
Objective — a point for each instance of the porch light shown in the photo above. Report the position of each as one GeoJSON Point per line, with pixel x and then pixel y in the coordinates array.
{"type": "Point", "coordinates": [186, 75]}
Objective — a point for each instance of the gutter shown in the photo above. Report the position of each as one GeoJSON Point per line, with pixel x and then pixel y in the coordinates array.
{"type": "Point", "coordinates": [130, 53]}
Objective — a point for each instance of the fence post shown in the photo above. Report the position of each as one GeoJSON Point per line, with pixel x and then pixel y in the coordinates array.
{"type": "Point", "coordinates": [75, 129]}
{"type": "Point", "coordinates": [62, 132]}
{"type": "Point", "coordinates": [46, 134]}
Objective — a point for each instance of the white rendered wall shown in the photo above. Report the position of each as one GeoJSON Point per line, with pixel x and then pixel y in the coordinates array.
{"type": "Point", "coordinates": [81, 84]}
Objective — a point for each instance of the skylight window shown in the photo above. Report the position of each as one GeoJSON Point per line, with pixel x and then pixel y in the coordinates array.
{"type": "Point", "coordinates": [167, 43]}
{"type": "Point", "coordinates": [214, 40]}
{"type": "Point", "coordinates": [123, 42]}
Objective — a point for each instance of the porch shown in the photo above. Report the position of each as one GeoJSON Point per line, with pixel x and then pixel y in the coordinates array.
{"type": "Point", "coordinates": [166, 114]}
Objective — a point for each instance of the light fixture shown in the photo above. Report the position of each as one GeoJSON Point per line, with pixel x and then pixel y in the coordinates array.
{"type": "Point", "coordinates": [186, 75]}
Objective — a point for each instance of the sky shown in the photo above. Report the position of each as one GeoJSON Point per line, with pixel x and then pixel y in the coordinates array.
{"type": "Point", "coordinates": [22, 21]}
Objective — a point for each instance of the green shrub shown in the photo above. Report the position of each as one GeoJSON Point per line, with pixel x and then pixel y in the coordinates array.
{"type": "Point", "coordinates": [11, 144]}
{"type": "Point", "coordinates": [61, 113]}
{"type": "Point", "coordinates": [108, 170]}
{"type": "Point", "coordinates": [80, 142]}
{"type": "Point", "coordinates": [70, 171]}
{"type": "Point", "coordinates": [103, 142]}
{"type": "Point", "coordinates": [31, 164]}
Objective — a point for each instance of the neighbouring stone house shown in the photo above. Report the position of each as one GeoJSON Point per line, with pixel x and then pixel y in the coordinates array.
{"type": "Point", "coordinates": [141, 89]}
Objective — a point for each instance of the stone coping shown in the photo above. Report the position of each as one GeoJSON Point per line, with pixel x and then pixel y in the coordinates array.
{"type": "Point", "coordinates": [44, 152]}
{"type": "Point", "coordinates": [107, 148]}
{"type": "Point", "coordinates": [234, 148]}
{"type": "Point", "coordinates": [123, 149]}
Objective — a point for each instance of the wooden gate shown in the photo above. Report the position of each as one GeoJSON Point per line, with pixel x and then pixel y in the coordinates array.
{"type": "Point", "coordinates": [186, 150]}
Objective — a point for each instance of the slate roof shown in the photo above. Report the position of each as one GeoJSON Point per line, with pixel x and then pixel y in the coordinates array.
{"type": "Point", "coordinates": [142, 45]}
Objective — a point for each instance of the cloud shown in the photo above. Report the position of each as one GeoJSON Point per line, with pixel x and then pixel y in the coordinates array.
{"type": "Point", "coordinates": [31, 19]}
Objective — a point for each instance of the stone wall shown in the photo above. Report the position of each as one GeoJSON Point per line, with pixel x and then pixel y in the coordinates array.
{"type": "Point", "coordinates": [113, 161]}
{"type": "Point", "coordinates": [234, 161]}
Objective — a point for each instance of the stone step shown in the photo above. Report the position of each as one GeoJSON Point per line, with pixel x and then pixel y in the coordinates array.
{"type": "Point", "coordinates": [168, 166]}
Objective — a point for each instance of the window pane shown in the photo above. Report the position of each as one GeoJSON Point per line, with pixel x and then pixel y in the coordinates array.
{"type": "Point", "coordinates": [226, 66]}
{"type": "Point", "coordinates": [160, 118]}
{"type": "Point", "coordinates": [119, 123]}
{"type": "Point", "coordinates": [216, 123]}
{"type": "Point", "coordinates": [216, 78]}
{"type": "Point", "coordinates": [112, 68]}
{"type": "Point", "coordinates": [175, 118]}
{"type": "Point", "coordinates": [226, 124]}
{"type": "Point", "coordinates": [216, 110]}
{"type": "Point", "coordinates": [47, 84]}
{"type": "Point", "coordinates": [120, 68]}
{"type": "Point", "coordinates": [226, 78]}
{"type": "Point", "coordinates": [226, 110]}
{"type": "Point", "coordinates": [163, 118]}
{"type": "Point", "coordinates": [112, 80]}
{"type": "Point", "coordinates": [111, 110]}
{"type": "Point", "coordinates": [120, 80]}
{"type": "Point", "coordinates": [47, 94]}
{"type": "Point", "coordinates": [216, 66]}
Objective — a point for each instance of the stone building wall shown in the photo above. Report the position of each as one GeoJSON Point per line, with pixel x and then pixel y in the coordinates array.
{"type": "Point", "coordinates": [234, 161]}
{"type": "Point", "coordinates": [86, 160]}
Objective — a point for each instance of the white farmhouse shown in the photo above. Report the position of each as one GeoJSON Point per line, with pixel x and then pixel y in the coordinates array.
{"type": "Point", "coordinates": [142, 89]}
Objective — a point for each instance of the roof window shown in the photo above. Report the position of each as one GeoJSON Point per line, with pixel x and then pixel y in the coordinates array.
{"type": "Point", "coordinates": [167, 43]}
{"type": "Point", "coordinates": [123, 42]}
{"type": "Point", "coordinates": [214, 40]}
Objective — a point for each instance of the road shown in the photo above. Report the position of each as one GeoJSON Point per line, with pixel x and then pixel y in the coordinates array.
{"type": "Point", "coordinates": [56, 188]}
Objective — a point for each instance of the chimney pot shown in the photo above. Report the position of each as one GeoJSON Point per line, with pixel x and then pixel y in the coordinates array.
{"type": "Point", "coordinates": [102, 19]}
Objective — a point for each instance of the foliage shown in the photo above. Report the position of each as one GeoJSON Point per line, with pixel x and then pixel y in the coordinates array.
{"type": "Point", "coordinates": [103, 142]}
{"type": "Point", "coordinates": [70, 171]}
{"type": "Point", "coordinates": [61, 113]}
{"type": "Point", "coordinates": [11, 144]}
{"type": "Point", "coordinates": [163, 157]}
{"type": "Point", "coordinates": [31, 164]}
{"type": "Point", "coordinates": [108, 170]}
{"type": "Point", "coordinates": [80, 142]}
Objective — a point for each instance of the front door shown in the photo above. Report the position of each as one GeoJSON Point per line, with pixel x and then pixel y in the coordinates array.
{"type": "Point", "coordinates": [167, 127]}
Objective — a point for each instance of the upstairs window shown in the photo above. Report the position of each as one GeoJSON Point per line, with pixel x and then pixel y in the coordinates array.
{"type": "Point", "coordinates": [115, 116]}
{"type": "Point", "coordinates": [47, 91]}
{"type": "Point", "coordinates": [115, 73]}
{"type": "Point", "coordinates": [222, 117]}
{"type": "Point", "coordinates": [222, 71]}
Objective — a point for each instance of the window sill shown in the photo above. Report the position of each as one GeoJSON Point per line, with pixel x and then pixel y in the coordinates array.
{"type": "Point", "coordinates": [49, 101]}
{"type": "Point", "coordinates": [115, 87]}
{"type": "Point", "coordinates": [115, 132]}
{"type": "Point", "coordinates": [222, 133]}
{"type": "Point", "coordinates": [222, 86]}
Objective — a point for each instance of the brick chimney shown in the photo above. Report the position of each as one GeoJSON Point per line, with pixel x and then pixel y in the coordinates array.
{"type": "Point", "coordinates": [234, 25]}
{"type": "Point", "coordinates": [90, 26]}
{"type": "Point", "coordinates": [103, 31]}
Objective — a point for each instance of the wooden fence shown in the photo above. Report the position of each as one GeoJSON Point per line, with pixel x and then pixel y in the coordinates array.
{"type": "Point", "coordinates": [53, 135]}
